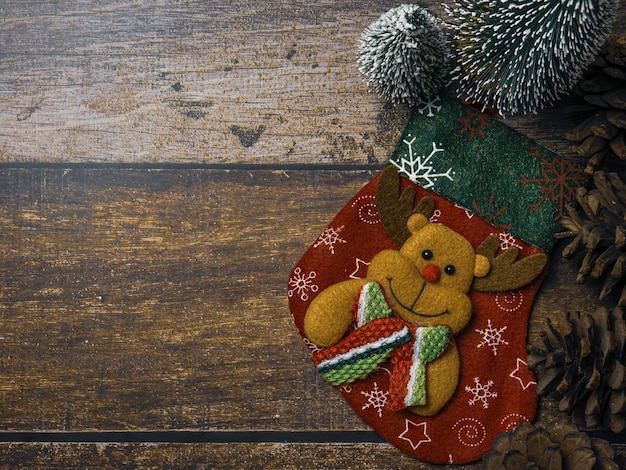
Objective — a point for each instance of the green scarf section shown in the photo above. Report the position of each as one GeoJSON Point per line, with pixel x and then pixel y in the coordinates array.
{"type": "Point", "coordinates": [381, 335]}
{"type": "Point", "coordinates": [487, 167]}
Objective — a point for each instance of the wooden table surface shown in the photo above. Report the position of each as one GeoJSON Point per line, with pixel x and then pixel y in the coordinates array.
{"type": "Point", "coordinates": [164, 164]}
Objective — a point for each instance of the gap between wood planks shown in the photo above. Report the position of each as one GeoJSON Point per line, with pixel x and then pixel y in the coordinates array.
{"type": "Point", "coordinates": [196, 166]}
{"type": "Point", "coordinates": [187, 437]}
{"type": "Point", "coordinates": [224, 437]}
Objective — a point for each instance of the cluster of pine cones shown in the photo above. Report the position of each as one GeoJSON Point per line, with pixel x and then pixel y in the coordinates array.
{"type": "Point", "coordinates": [548, 446]}
{"type": "Point", "coordinates": [598, 229]}
{"type": "Point", "coordinates": [598, 226]}
{"type": "Point", "coordinates": [582, 360]}
{"type": "Point", "coordinates": [601, 137]}
{"type": "Point", "coordinates": [581, 357]}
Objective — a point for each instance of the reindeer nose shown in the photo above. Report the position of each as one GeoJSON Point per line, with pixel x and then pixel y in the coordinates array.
{"type": "Point", "coordinates": [431, 273]}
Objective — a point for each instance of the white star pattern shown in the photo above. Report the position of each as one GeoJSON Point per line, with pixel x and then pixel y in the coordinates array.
{"type": "Point", "coordinates": [492, 337]}
{"type": "Point", "coordinates": [468, 213]}
{"type": "Point", "coordinates": [360, 270]}
{"type": "Point", "coordinates": [420, 437]}
{"type": "Point", "coordinates": [519, 368]}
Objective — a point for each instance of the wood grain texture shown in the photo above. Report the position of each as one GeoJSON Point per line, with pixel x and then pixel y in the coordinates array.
{"type": "Point", "coordinates": [190, 81]}
{"type": "Point", "coordinates": [201, 456]}
{"type": "Point", "coordinates": [157, 299]}
{"type": "Point", "coordinates": [197, 82]}
{"type": "Point", "coordinates": [223, 456]}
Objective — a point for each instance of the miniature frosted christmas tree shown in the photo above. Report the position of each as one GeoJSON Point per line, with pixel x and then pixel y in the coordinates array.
{"type": "Point", "coordinates": [518, 56]}
{"type": "Point", "coordinates": [405, 55]}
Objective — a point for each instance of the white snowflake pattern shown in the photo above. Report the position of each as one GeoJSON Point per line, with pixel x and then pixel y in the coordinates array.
{"type": "Point", "coordinates": [301, 284]}
{"type": "Point", "coordinates": [492, 337]}
{"type": "Point", "coordinates": [507, 241]}
{"type": "Point", "coordinates": [330, 237]}
{"type": "Point", "coordinates": [481, 393]}
{"type": "Point", "coordinates": [430, 106]}
{"type": "Point", "coordinates": [376, 399]}
{"type": "Point", "coordinates": [418, 168]}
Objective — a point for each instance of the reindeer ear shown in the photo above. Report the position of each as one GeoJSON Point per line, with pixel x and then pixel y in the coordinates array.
{"type": "Point", "coordinates": [416, 222]}
{"type": "Point", "coordinates": [482, 266]}
{"type": "Point", "coordinates": [507, 273]}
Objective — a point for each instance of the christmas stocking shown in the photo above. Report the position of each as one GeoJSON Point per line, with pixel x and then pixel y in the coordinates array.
{"type": "Point", "coordinates": [418, 310]}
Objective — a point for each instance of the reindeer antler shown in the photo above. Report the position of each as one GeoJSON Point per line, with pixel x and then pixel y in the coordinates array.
{"type": "Point", "coordinates": [394, 210]}
{"type": "Point", "coordinates": [506, 273]}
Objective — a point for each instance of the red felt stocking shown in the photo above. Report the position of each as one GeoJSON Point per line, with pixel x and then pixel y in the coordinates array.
{"type": "Point", "coordinates": [489, 199]}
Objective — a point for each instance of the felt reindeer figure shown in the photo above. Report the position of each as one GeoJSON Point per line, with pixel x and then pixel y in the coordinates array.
{"type": "Point", "coordinates": [415, 298]}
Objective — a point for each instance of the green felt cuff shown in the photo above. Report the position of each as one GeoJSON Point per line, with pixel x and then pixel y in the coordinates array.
{"type": "Point", "coordinates": [488, 168]}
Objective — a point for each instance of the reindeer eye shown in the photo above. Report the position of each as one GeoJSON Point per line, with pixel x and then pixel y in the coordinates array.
{"type": "Point", "coordinates": [427, 254]}
{"type": "Point", "coordinates": [450, 269]}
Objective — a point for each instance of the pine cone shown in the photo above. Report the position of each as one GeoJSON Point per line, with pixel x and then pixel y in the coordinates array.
{"type": "Point", "coordinates": [582, 360]}
{"type": "Point", "coordinates": [603, 86]}
{"type": "Point", "coordinates": [548, 446]}
{"type": "Point", "coordinates": [600, 232]}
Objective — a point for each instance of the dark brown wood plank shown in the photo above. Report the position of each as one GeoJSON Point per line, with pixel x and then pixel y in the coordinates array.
{"type": "Point", "coordinates": [200, 456]}
{"type": "Point", "coordinates": [199, 81]}
{"type": "Point", "coordinates": [157, 300]}
{"type": "Point", "coordinates": [223, 456]}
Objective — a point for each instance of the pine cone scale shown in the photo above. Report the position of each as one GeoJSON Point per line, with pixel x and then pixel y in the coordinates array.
{"type": "Point", "coordinates": [616, 117]}
{"type": "Point", "coordinates": [617, 380]}
{"type": "Point", "coordinates": [616, 97]}
{"type": "Point", "coordinates": [618, 145]}
{"type": "Point", "coordinates": [606, 130]}
{"type": "Point", "coordinates": [617, 403]}
{"type": "Point", "coordinates": [616, 73]}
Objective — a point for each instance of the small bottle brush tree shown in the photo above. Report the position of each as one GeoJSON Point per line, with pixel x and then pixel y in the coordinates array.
{"type": "Point", "coordinates": [520, 56]}
{"type": "Point", "coordinates": [405, 55]}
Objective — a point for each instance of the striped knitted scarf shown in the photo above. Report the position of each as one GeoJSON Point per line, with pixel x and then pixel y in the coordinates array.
{"type": "Point", "coordinates": [380, 335]}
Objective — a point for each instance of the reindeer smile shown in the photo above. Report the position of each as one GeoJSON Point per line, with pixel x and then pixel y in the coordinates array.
{"type": "Point", "coordinates": [412, 307]}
